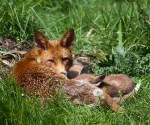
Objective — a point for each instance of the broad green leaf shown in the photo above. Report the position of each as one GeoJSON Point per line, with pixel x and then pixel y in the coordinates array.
{"type": "Point", "coordinates": [119, 32]}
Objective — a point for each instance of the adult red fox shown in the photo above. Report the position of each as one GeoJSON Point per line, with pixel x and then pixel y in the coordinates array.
{"type": "Point", "coordinates": [43, 70]}
{"type": "Point", "coordinates": [118, 86]}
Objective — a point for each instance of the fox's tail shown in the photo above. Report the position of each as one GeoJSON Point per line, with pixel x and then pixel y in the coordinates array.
{"type": "Point", "coordinates": [119, 100]}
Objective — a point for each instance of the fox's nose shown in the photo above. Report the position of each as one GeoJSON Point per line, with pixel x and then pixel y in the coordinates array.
{"type": "Point", "coordinates": [61, 69]}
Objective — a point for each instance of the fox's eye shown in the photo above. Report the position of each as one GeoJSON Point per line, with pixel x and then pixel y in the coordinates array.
{"type": "Point", "coordinates": [65, 59]}
{"type": "Point", "coordinates": [50, 60]}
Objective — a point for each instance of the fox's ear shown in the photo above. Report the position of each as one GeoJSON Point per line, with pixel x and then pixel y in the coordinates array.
{"type": "Point", "coordinates": [41, 40]}
{"type": "Point", "coordinates": [67, 39]}
{"type": "Point", "coordinates": [99, 78]}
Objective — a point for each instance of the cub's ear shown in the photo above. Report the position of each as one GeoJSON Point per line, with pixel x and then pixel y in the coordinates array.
{"type": "Point", "coordinates": [84, 71]}
{"type": "Point", "coordinates": [99, 78]}
{"type": "Point", "coordinates": [41, 40]}
{"type": "Point", "coordinates": [67, 39]}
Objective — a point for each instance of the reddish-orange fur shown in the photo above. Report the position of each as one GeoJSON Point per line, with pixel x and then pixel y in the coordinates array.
{"type": "Point", "coordinates": [48, 61]}
{"type": "Point", "coordinates": [43, 70]}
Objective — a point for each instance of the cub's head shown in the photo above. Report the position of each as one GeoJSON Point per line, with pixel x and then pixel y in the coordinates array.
{"type": "Point", "coordinates": [57, 55]}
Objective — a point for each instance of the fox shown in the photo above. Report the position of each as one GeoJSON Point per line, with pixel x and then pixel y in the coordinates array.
{"type": "Point", "coordinates": [118, 86]}
{"type": "Point", "coordinates": [42, 72]}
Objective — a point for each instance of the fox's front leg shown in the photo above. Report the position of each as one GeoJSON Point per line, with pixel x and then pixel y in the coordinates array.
{"type": "Point", "coordinates": [110, 102]}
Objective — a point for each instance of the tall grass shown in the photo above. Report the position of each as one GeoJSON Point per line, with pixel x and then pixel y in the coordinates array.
{"type": "Point", "coordinates": [18, 109]}
{"type": "Point", "coordinates": [120, 42]}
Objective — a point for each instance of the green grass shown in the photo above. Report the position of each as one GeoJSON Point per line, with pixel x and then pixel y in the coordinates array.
{"type": "Point", "coordinates": [15, 109]}
{"type": "Point", "coordinates": [120, 42]}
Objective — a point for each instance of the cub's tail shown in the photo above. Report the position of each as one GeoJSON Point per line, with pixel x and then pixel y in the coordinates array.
{"type": "Point", "coordinates": [137, 87]}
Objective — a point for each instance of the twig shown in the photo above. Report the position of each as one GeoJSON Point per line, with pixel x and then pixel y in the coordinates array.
{"type": "Point", "coordinates": [147, 22]}
{"type": "Point", "coordinates": [13, 52]}
{"type": "Point", "coordinates": [7, 63]}
{"type": "Point", "coordinates": [6, 55]}
{"type": "Point", "coordinates": [135, 45]}
{"type": "Point", "coordinates": [18, 44]}
{"type": "Point", "coordinates": [90, 32]}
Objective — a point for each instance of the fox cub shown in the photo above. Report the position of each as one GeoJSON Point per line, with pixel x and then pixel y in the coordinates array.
{"type": "Point", "coordinates": [118, 86]}
{"type": "Point", "coordinates": [43, 70]}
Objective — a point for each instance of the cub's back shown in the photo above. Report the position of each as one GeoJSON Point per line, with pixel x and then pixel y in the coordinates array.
{"type": "Point", "coordinates": [121, 81]}
{"type": "Point", "coordinates": [112, 84]}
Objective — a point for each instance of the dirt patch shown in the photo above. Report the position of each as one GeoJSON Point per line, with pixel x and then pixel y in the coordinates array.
{"type": "Point", "coordinates": [10, 52]}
